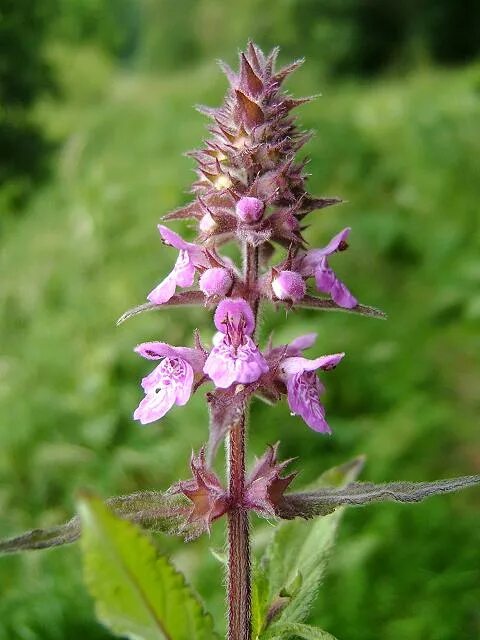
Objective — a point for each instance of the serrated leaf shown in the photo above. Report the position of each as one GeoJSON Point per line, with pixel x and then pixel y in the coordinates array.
{"type": "Point", "coordinates": [138, 593]}
{"type": "Point", "coordinates": [305, 547]}
{"type": "Point", "coordinates": [290, 630]}
{"type": "Point", "coordinates": [301, 548]}
{"type": "Point", "coordinates": [153, 510]}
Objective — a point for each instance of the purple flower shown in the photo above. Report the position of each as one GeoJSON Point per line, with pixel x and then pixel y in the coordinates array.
{"type": "Point", "coordinates": [234, 356]}
{"type": "Point", "coordinates": [249, 210]}
{"type": "Point", "coordinates": [170, 382]}
{"type": "Point", "coordinates": [216, 281]}
{"type": "Point", "coordinates": [289, 285]}
{"type": "Point", "coordinates": [183, 273]}
{"type": "Point", "coordinates": [304, 388]}
{"type": "Point", "coordinates": [315, 263]}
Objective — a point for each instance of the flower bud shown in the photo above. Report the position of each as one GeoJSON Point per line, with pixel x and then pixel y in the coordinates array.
{"type": "Point", "coordinates": [249, 210]}
{"type": "Point", "coordinates": [207, 223]}
{"type": "Point", "coordinates": [289, 285]}
{"type": "Point", "coordinates": [216, 281]}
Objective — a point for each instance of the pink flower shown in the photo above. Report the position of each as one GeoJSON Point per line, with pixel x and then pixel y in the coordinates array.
{"type": "Point", "coordinates": [315, 263]}
{"type": "Point", "coordinates": [170, 382]}
{"type": "Point", "coordinates": [183, 273]}
{"type": "Point", "coordinates": [304, 388]}
{"type": "Point", "coordinates": [234, 356]}
{"type": "Point", "coordinates": [249, 210]}
{"type": "Point", "coordinates": [216, 281]}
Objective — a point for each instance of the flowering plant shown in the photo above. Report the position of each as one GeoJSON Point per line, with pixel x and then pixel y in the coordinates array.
{"type": "Point", "coordinates": [250, 190]}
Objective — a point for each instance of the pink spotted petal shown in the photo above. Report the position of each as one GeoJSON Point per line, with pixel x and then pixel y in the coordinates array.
{"type": "Point", "coordinates": [226, 365]}
{"type": "Point", "coordinates": [184, 270]}
{"type": "Point", "coordinates": [154, 406]}
{"type": "Point", "coordinates": [184, 390]}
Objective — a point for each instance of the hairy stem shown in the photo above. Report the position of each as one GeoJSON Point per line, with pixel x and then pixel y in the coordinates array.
{"type": "Point", "coordinates": [239, 577]}
{"type": "Point", "coordinates": [250, 273]}
{"type": "Point", "coordinates": [239, 589]}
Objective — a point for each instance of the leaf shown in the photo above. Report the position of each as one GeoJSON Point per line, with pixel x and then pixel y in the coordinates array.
{"type": "Point", "coordinates": [260, 600]}
{"type": "Point", "coordinates": [42, 538]}
{"type": "Point", "coordinates": [311, 302]}
{"type": "Point", "coordinates": [323, 501]}
{"type": "Point", "coordinates": [183, 299]}
{"type": "Point", "coordinates": [295, 560]}
{"type": "Point", "coordinates": [153, 510]}
{"type": "Point", "coordinates": [297, 630]}
{"type": "Point", "coordinates": [138, 592]}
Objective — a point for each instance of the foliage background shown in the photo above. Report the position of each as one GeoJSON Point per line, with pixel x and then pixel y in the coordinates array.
{"type": "Point", "coordinates": [398, 135]}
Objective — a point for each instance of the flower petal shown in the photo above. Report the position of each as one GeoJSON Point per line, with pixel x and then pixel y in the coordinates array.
{"type": "Point", "coordinates": [297, 365]}
{"type": "Point", "coordinates": [165, 290]}
{"type": "Point", "coordinates": [342, 296]}
{"type": "Point", "coordinates": [226, 365]}
{"type": "Point", "coordinates": [173, 239]}
{"type": "Point", "coordinates": [157, 350]}
{"type": "Point", "coordinates": [309, 262]}
{"type": "Point", "coordinates": [184, 389]}
{"type": "Point", "coordinates": [184, 269]}
{"type": "Point", "coordinates": [303, 399]}
{"type": "Point", "coordinates": [327, 282]}
{"type": "Point", "coordinates": [234, 309]}
{"type": "Point", "coordinates": [336, 242]}
{"type": "Point", "coordinates": [155, 405]}
{"type": "Point", "coordinates": [302, 342]}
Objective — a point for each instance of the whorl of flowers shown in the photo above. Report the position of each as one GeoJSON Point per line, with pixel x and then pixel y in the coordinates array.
{"type": "Point", "coordinates": [250, 189]}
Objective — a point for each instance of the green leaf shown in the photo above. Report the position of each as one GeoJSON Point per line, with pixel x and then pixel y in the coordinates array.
{"type": "Point", "coordinates": [42, 538]}
{"type": "Point", "coordinates": [260, 600]}
{"type": "Point", "coordinates": [153, 510]}
{"type": "Point", "coordinates": [295, 560]}
{"type": "Point", "coordinates": [297, 630]}
{"type": "Point", "coordinates": [305, 547]}
{"type": "Point", "coordinates": [320, 502]}
{"type": "Point", "coordinates": [138, 593]}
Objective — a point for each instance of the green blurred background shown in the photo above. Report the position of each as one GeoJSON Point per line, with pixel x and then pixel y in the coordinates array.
{"type": "Point", "coordinates": [96, 110]}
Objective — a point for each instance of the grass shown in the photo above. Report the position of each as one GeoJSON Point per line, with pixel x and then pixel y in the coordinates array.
{"type": "Point", "coordinates": [404, 153]}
